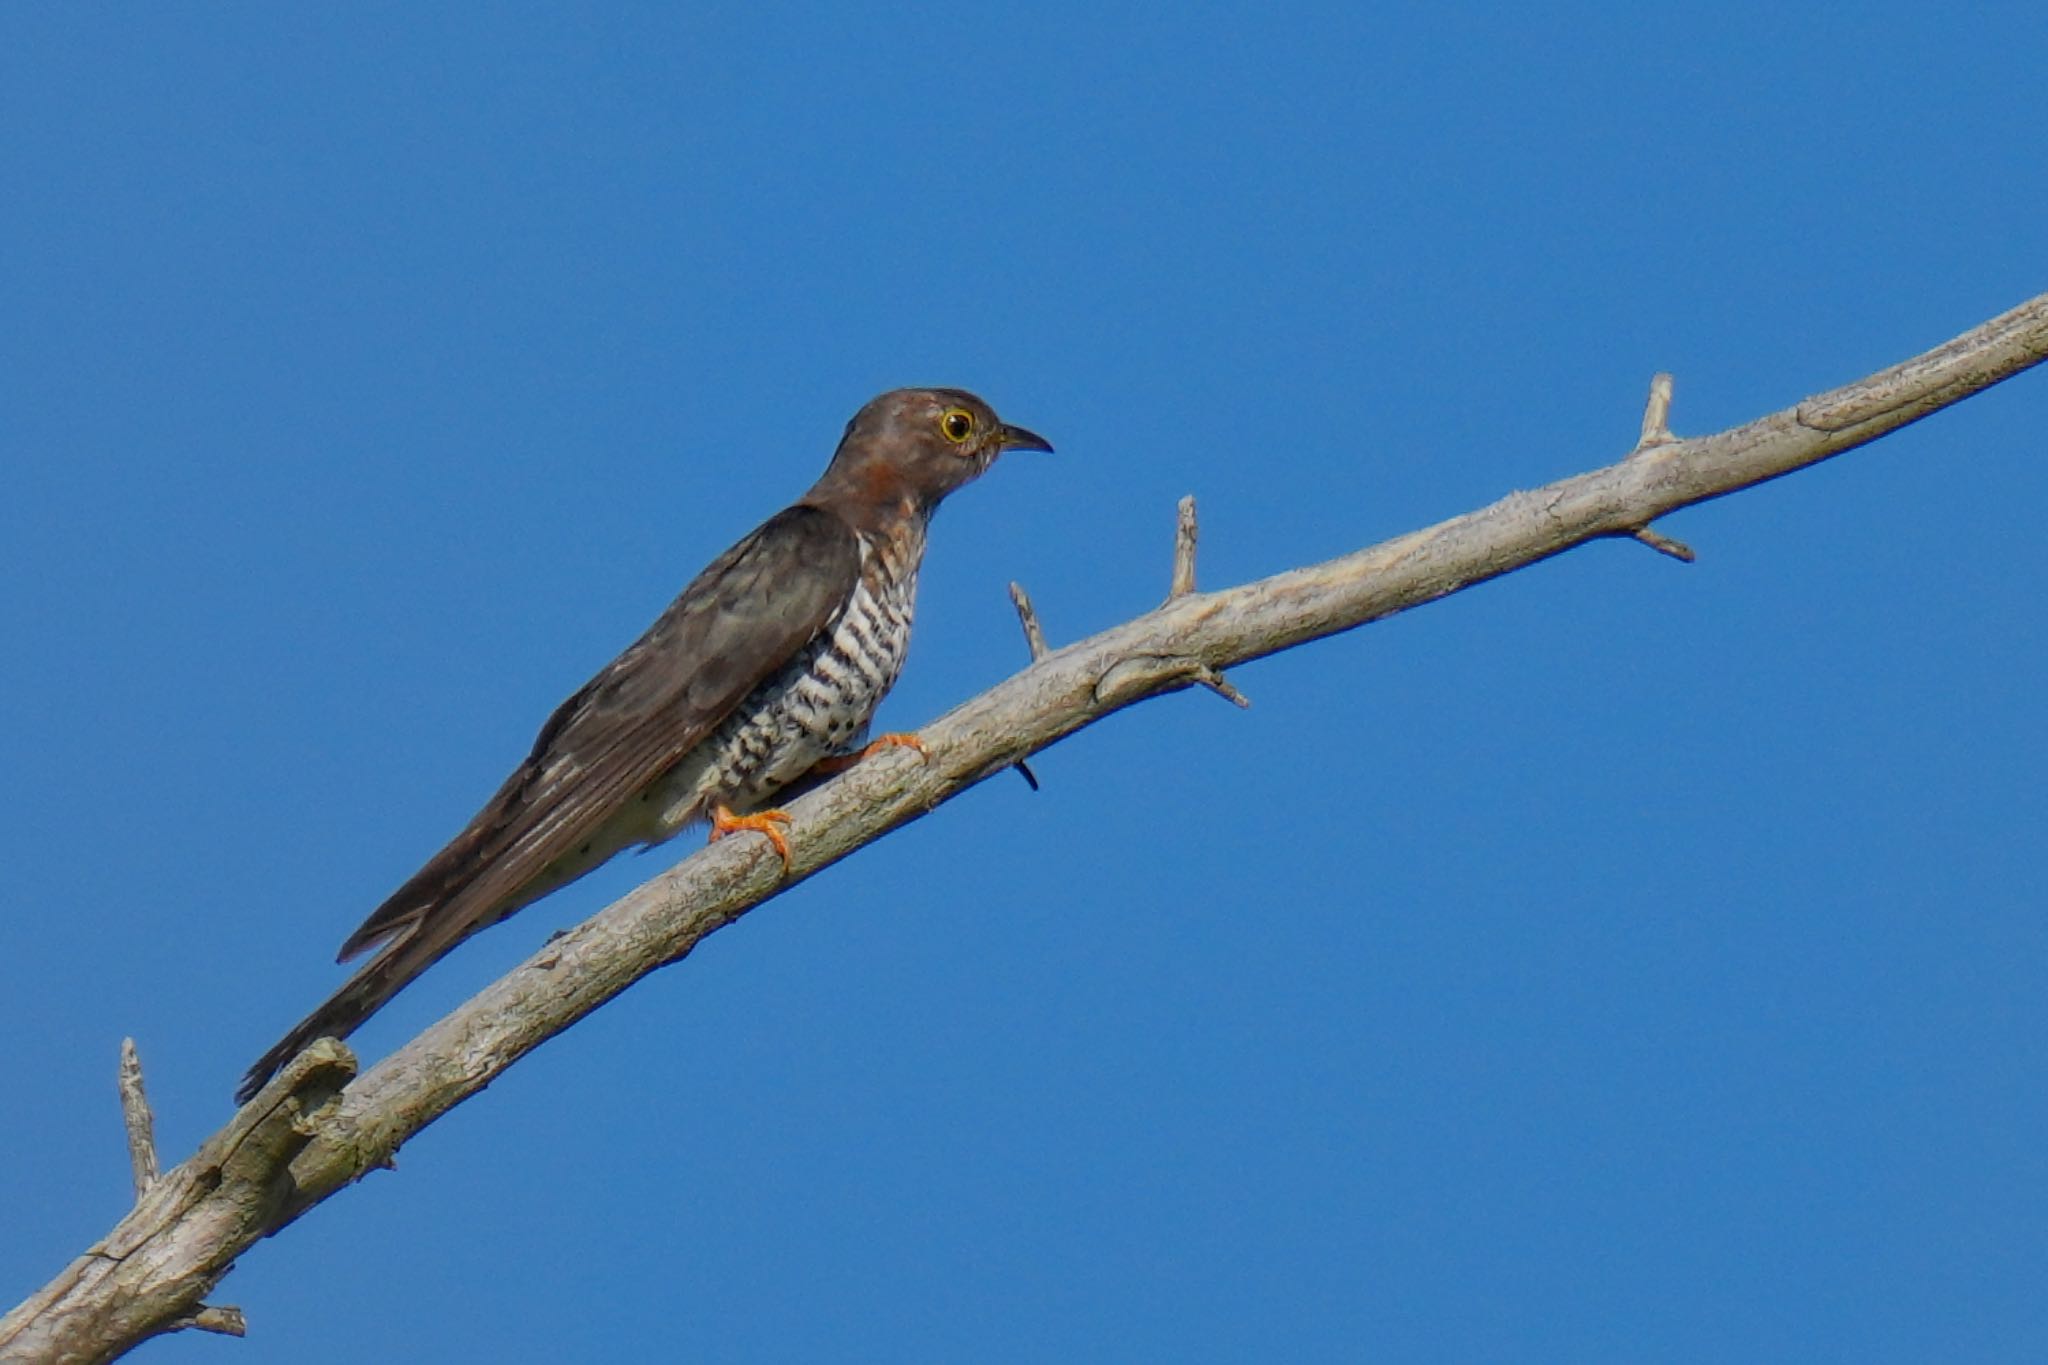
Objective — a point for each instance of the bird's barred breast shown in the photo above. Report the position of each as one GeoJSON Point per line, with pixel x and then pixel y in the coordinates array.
{"type": "Point", "coordinates": [818, 704]}
{"type": "Point", "coordinates": [821, 701]}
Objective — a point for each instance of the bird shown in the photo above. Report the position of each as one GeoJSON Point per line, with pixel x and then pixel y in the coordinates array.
{"type": "Point", "coordinates": [762, 674]}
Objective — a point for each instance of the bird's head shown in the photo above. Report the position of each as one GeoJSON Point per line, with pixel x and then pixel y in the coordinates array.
{"type": "Point", "coordinates": [909, 448]}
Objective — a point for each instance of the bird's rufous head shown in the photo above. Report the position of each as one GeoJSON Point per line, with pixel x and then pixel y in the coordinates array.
{"type": "Point", "coordinates": [909, 448]}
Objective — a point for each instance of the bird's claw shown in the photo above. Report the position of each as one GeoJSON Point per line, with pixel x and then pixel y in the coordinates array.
{"type": "Point", "coordinates": [839, 763]}
{"type": "Point", "coordinates": [896, 741]}
{"type": "Point", "coordinates": [724, 822]}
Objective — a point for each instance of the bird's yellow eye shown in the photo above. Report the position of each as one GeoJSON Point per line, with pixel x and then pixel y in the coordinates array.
{"type": "Point", "coordinates": [956, 424]}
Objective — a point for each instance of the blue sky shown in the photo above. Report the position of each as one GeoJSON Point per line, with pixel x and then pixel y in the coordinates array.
{"type": "Point", "coordinates": [1621, 961]}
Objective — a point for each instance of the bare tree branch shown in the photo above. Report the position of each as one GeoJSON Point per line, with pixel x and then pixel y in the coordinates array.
{"type": "Point", "coordinates": [313, 1131]}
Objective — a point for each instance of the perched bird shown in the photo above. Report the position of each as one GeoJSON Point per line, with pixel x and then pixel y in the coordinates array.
{"type": "Point", "coordinates": [765, 670]}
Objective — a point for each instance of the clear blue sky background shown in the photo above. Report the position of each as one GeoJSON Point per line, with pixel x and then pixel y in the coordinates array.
{"type": "Point", "coordinates": [1618, 962]}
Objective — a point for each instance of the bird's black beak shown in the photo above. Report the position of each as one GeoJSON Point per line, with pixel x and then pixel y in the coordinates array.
{"type": "Point", "coordinates": [1017, 438]}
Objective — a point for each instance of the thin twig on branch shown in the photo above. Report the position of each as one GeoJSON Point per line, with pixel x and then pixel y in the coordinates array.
{"type": "Point", "coordinates": [311, 1132]}
{"type": "Point", "coordinates": [1657, 413]}
{"type": "Point", "coordinates": [1665, 545]}
{"type": "Point", "coordinates": [1027, 615]}
{"type": "Point", "coordinates": [137, 1119]}
{"type": "Point", "coordinates": [1034, 640]}
{"type": "Point", "coordinates": [1657, 432]}
{"type": "Point", "coordinates": [1185, 534]}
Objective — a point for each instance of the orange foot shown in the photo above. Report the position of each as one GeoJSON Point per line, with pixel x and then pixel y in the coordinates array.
{"type": "Point", "coordinates": [839, 763]}
{"type": "Point", "coordinates": [724, 822]}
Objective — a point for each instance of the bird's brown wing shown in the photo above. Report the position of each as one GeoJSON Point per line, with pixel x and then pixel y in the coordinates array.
{"type": "Point", "coordinates": [743, 618]}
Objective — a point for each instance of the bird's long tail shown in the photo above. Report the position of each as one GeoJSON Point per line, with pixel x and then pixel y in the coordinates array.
{"type": "Point", "coordinates": [396, 963]}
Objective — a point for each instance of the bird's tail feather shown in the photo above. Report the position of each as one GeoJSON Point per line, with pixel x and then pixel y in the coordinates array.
{"type": "Point", "coordinates": [399, 960]}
